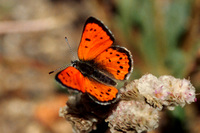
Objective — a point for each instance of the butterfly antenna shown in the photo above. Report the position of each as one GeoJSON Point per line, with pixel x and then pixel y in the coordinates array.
{"type": "Point", "coordinates": [70, 48]}
{"type": "Point", "coordinates": [64, 65]}
{"type": "Point", "coordinates": [58, 69]}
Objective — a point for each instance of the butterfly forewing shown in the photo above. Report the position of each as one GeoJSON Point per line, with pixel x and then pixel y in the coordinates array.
{"type": "Point", "coordinates": [96, 38]}
{"type": "Point", "coordinates": [71, 78]}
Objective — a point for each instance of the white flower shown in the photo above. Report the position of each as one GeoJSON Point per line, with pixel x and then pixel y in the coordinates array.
{"type": "Point", "coordinates": [133, 116]}
{"type": "Point", "coordinates": [177, 90]}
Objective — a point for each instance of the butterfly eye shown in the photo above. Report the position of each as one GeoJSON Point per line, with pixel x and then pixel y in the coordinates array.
{"type": "Point", "coordinates": [74, 63]}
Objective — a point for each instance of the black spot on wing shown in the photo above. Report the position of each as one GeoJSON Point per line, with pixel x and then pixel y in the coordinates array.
{"type": "Point", "coordinates": [67, 74]}
{"type": "Point", "coordinates": [87, 39]}
{"type": "Point", "coordinates": [107, 93]}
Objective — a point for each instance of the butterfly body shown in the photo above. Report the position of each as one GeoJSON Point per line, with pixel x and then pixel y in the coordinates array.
{"type": "Point", "coordinates": [100, 64]}
{"type": "Point", "coordinates": [89, 70]}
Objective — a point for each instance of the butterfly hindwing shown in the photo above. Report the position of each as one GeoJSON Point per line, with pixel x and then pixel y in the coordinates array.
{"type": "Point", "coordinates": [116, 61]}
{"type": "Point", "coordinates": [99, 92]}
{"type": "Point", "coordinates": [95, 39]}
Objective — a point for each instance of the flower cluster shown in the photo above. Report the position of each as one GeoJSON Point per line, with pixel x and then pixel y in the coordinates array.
{"type": "Point", "coordinates": [136, 109]}
{"type": "Point", "coordinates": [165, 91]}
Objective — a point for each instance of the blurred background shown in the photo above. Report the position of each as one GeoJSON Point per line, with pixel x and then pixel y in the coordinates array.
{"type": "Point", "coordinates": [163, 36]}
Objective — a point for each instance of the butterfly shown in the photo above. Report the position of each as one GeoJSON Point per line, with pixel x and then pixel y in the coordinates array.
{"type": "Point", "coordinates": [100, 64]}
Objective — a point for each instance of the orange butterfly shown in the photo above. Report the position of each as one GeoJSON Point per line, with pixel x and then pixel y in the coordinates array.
{"type": "Point", "coordinates": [99, 64]}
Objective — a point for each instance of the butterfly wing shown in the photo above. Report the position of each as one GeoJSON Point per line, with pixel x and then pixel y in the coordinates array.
{"type": "Point", "coordinates": [95, 39]}
{"type": "Point", "coordinates": [73, 79]}
{"type": "Point", "coordinates": [116, 61]}
{"type": "Point", "coordinates": [100, 93]}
